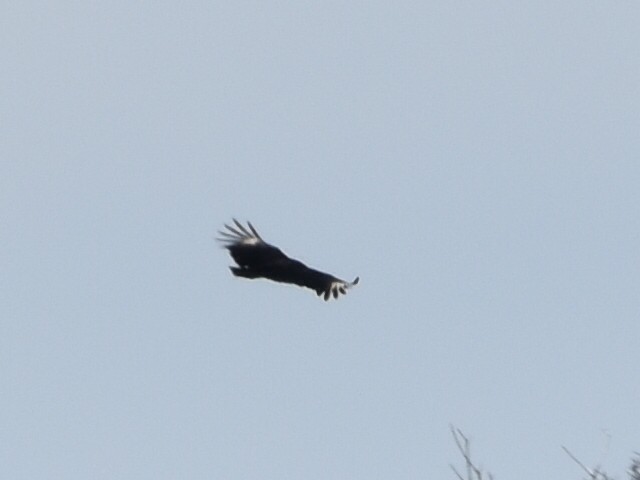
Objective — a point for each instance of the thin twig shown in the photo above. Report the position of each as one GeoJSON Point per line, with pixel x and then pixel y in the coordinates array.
{"type": "Point", "coordinates": [464, 450]}
{"type": "Point", "coordinates": [573, 457]}
{"type": "Point", "coordinates": [456, 472]}
{"type": "Point", "coordinates": [464, 446]}
{"type": "Point", "coordinates": [634, 469]}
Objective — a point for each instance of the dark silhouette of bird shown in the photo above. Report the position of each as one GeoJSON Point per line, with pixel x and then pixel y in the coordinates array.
{"type": "Point", "coordinates": [255, 258]}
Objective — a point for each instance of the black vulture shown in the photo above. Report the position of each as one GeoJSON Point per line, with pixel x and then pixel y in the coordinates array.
{"type": "Point", "coordinates": [257, 259]}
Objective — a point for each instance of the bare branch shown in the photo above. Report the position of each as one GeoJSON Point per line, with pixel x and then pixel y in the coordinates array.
{"type": "Point", "coordinates": [464, 446]}
{"type": "Point", "coordinates": [634, 469]}
{"type": "Point", "coordinates": [460, 477]}
{"type": "Point", "coordinates": [573, 457]}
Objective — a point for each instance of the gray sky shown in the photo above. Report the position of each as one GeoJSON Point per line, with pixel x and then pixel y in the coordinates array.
{"type": "Point", "coordinates": [476, 164]}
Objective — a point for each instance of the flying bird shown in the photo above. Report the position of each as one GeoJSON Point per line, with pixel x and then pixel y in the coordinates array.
{"type": "Point", "coordinates": [258, 259]}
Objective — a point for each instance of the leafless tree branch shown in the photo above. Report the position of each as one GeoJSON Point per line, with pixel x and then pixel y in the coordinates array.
{"type": "Point", "coordinates": [460, 477]}
{"type": "Point", "coordinates": [634, 469]}
{"type": "Point", "coordinates": [582, 465]}
{"type": "Point", "coordinates": [464, 446]}
{"type": "Point", "coordinates": [597, 473]}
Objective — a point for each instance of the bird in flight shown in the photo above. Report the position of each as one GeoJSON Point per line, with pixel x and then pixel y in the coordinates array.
{"type": "Point", "coordinates": [255, 258]}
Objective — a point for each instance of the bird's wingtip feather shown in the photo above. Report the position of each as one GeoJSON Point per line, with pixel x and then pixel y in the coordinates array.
{"type": "Point", "coordinates": [241, 227]}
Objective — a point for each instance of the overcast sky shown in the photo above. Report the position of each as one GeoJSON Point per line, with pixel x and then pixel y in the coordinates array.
{"type": "Point", "coordinates": [476, 164]}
